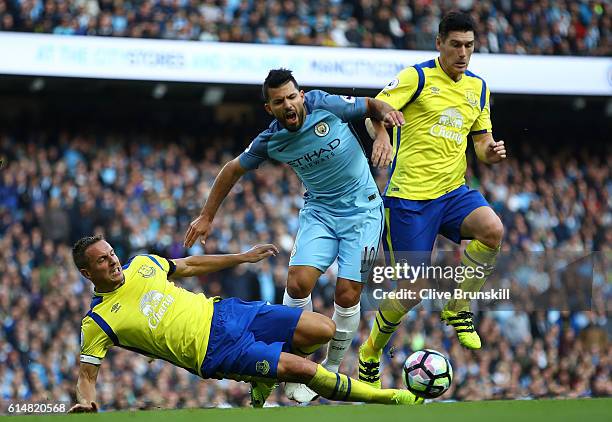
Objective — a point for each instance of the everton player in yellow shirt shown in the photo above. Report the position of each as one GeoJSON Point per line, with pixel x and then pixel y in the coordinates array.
{"type": "Point", "coordinates": [443, 103]}
{"type": "Point", "coordinates": [137, 308]}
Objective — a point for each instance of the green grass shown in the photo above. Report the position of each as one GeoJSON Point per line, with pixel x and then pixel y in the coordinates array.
{"type": "Point", "coordinates": [587, 410]}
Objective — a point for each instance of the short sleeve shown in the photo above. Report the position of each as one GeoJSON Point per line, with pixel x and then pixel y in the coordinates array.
{"type": "Point", "coordinates": [400, 90]}
{"type": "Point", "coordinates": [346, 108]}
{"type": "Point", "coordinates": [165, 264]}
{"type": "Point", "coordinates": [257, 151]}
{"type": "Point", "coordinates": [483, 121]}
{"type": "Point", "coordinates": [94, 342]}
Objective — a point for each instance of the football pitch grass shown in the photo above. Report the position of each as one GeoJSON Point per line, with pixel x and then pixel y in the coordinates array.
{"type": "Point", "coordinates": [590, 410]}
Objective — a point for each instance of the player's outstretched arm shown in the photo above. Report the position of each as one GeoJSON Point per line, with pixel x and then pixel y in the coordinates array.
{"type": "Point", "coordinates": [86, 389]}
{"type": "Point", "coordinates": [225, 181]}
{"type": "Point", "coordinates": [487, 150]}
{"type": "Point", "coordinates": [198, 265]}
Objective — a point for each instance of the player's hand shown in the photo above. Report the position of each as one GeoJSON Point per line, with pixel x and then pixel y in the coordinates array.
{"type": "Point", "coordinates": [199, 228]}
{"type": "Point", "coordinates": [382, 152]}
{"type": "Point", "coordinates": [496, 152]}
{"type": "Point", "coordinates": [84, 408]}
{"type": "Point", "coordinates": [259, 252]}
{"type": "Point", "coordinates": [394, 118]}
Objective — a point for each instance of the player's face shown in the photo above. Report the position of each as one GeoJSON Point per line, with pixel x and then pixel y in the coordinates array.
{"type": "Point", "coordinates": [286, 104]}
{"type": "Point", "coordinates": [104, 267]}
{"type": "Point", "coordinates": [455, 52]}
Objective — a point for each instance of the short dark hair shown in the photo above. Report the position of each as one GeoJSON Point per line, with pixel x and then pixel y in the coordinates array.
{"type": "Point", "coordinates": [79, 248]}
{"type": "Point", "coordinates": [276, 78]}
{"type": "Point", "coordinates": [455, 21]}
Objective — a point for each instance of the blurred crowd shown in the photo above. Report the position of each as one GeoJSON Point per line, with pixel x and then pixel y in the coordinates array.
{"type": "Point", "coordinates": [141, 191]}
{"type": "Point", "coordinates": [576, 27]}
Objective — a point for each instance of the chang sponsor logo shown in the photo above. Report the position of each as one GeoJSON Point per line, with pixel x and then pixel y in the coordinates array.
{"type": "Point", "coordinates": [154, 305]}
{"type": "Point", "coordinates": [449, 126]}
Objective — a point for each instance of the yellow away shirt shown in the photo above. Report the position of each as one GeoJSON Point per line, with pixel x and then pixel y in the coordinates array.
{"type": "Point", "coordinates": [440, 114]}
{"type": "Point", "coordinates": [149, 315]}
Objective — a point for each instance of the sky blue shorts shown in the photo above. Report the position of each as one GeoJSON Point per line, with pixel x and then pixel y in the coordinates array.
{"type": "Point", "coordinates": [411, 226]}
{"type": "Point", "coordinates": [247, 338]}
{"type": "Point", "coordinates": [353, 239]}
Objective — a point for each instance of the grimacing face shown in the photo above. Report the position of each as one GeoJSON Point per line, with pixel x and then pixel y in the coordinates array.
{"type": "Point", "coordinates": [455, 52]}
{"type": "Point", "coordinates": [104, 266]}
{"type": "Point", "coordinates": [286, 104]}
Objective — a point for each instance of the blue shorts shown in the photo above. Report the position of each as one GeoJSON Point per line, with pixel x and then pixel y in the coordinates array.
{"type": "Point", "coordinates": [247, 338]}
{"type": "Point", "coordinates": [411, 226]}
{"type": "Point", "coordinates": [353, 239]}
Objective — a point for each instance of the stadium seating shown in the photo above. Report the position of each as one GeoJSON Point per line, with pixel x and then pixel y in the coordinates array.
{"type": "Point", "coordinates": [512, 27]}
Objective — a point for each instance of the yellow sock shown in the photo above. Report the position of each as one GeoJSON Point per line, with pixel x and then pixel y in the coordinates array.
{"type": "Point", "coordinates": [339, 387]}
{"type": "Point", "coordinates": [387, 320]}
{"type": "Point", "coordinates": [476, 254]}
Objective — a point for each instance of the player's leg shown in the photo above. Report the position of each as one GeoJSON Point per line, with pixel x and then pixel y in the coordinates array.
{"type": "Point", "coordinates": [314, 251]}
{"type": "Point", "coordinates": [469, 217]}
{"type": "Point", "coordinates": [261, 363]}
{"type": "Point", "coordinates": [335, 386]}
{"type": "Point", "coordinates": [359, 236]}
{"type": "Point", "coordinates": [299, 332]}
{"type": "Point", "coordinates": [301, 279]}
{"type": "Point", "coordinates": [347, 315]}
{"type": "Point", "coordinates": [410, 231]}
{"type": "Point", "coordinates": [303, 332]}
{"type": "Point", "coordinates": [316, 247]}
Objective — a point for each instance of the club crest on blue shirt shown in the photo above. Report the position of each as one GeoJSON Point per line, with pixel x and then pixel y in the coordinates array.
{"type": "Point", "coordinates": [321, 129]}
{"type": "Point", "coordinates": [471, 98]}
{"type": "Point", "coordinates": [349, 99]}
{"type": "Point", "coordinates": [146, 271]}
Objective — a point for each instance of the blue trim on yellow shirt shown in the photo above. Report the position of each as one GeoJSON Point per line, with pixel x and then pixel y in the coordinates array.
{"type": "Point", "coordinates": [105, 327]}
{"type": "Point", "coordinates": [111, 334]}
{"type": "Point", "coordinates": [483, 92]}
{"type": "Point", "coordinates": [127, 264]}
{"type": "Point", "coordinates": [431, 64]}
{"type": "Point", "coordinates": [155, 260]}
{"type": "Point", "coordinates": [172, 266]}
{"type": "Point", "coordinates": [419, 86]}
{"type": "Point", "coordinates": [96, 300]}
{"type": "Point", "coordinates": [398, 140]}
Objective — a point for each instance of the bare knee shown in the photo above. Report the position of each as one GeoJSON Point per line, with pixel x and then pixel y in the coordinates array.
{"type": "Point", "coordinates": [328, 328]}
{"type": "Point", "coordinates": [492, 232]}
{"type": "Point", "coordinates": [313, 329]}
{"type": "Point", "coordinates": [300, 282]}
{"type": "Point", "coordinates": [348, 293]}
{"type": "Point", "coordinates": [293, 368]}
{"type": "Point", "coordinates": [325, 328]}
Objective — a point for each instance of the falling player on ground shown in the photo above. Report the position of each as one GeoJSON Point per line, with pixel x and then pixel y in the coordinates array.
{"type": "Point", "coordinates": [137, 307]}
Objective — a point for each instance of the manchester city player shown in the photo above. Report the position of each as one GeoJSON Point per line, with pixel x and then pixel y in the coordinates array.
{"type": "Point", "coordinates": [137, 308]}
{"type": "Point", "coordinates": [342, 217]}
{"type": "Point", "coordinates": [443, 103]}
